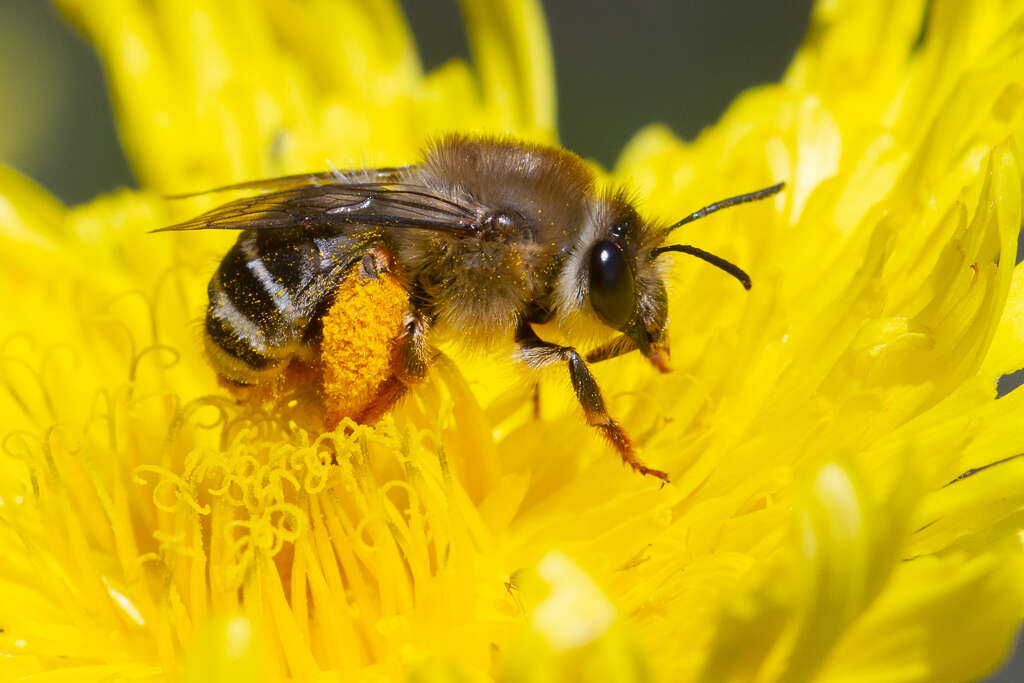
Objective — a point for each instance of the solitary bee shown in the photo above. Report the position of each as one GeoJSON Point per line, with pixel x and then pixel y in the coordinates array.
{"type": "Point", "coordinates": [488, 237]}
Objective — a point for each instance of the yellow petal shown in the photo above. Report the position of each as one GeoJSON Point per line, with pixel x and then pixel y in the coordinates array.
{"type": "Point", "coordinates": [510, 48]}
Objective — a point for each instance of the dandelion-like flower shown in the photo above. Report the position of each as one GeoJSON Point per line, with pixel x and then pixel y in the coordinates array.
{"type": "Point", "coordinates": [845, 502]}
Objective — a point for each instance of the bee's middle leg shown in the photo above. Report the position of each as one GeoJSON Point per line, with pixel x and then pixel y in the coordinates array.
{"type": "Point", "coordinates": [538, 353]}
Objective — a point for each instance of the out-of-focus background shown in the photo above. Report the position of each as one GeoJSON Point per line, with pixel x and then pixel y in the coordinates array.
{"type": "Point", "coordinates": [620, 65]}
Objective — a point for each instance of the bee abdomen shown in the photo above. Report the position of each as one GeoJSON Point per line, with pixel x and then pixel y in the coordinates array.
{"type": "Point", "coordinates": [259, 311]}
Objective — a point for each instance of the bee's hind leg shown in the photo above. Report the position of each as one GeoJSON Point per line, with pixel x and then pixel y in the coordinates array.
{"type": "Point", "coordinates": [538, 353]}
{"type": "Point", "coordinates": [374, 263]}
{"type": "Point", "coordinates": [389, 393]}
{"type": "Point", "coordinates": [411, 360]}
{"type": "Point", "coordinates": [414, 354]}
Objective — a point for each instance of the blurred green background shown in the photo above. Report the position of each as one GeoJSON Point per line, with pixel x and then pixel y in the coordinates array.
{"type": "Point", "coordinates": [620, 65]}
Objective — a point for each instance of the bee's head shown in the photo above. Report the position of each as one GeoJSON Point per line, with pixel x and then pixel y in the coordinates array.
{"type": "Point", "coordinates": [614, 271]}
{"type": "Point", "coordinates": [625, 286]}
{"type": "Point", "coordinates": [611, 280]}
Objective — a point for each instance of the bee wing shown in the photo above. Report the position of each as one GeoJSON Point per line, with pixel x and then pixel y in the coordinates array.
{"type": "Point", "coordinates": [306, 204]}
{"type": "Point", "coordinates": [373, 175]}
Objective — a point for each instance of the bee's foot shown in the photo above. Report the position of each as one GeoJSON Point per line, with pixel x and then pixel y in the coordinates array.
{"type": "Point", "coordinates": [614, 432]}
{"type": "Point", "coordinates": [644, 469]}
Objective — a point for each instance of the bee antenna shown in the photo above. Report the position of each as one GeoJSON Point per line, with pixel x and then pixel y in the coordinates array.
{"type": "Point", "coordinates": [726, 203]}
{"type": "Point", "coordinates": [716, 261]}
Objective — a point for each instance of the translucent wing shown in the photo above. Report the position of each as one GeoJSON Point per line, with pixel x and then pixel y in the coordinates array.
{"type": "Point", "coordinates": [373, 175]}
{"type": "Point", "coordinates": [328, 199]}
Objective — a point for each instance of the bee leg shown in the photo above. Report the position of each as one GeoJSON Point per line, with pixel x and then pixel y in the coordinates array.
{"type": "Point", "coordinates": [368, 269]}
{"type": "Point", "coordinates": [538, 353]}
{"type": "Point", "coordinates": [616, 347]}
{"type": "Point", "coordinates": [414, 353]}
{"type": "Point", "coordinates": [412, 359]}
{"type": "Point", "coordinates": [374, 262]}
{"type": "Point", "coordinates": [622, 345]}
{"type": "Point", "coordinates": [390, 392]}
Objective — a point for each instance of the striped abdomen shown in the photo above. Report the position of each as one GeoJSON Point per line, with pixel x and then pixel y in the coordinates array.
{"type": "Point", "coordinates": [265, 299]}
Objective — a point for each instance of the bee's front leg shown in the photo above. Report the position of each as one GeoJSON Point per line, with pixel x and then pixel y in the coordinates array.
{"type": "Point", "coordinates": [622, 345]}
{"type": "Point", "coordinates": [537, 353]}
{"type": "Point", "coordinates": [619, 346]}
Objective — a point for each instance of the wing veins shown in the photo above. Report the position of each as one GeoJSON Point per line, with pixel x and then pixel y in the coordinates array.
{"type": "Point", "coordinates": [407, 204]}
{"type": "Point", "coordinates": [387, 174]}
{"type": "Point", "coordinates": [384, 204]}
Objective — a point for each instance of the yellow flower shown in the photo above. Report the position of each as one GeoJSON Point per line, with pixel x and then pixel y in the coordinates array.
{"type": "Point", "coordinates": [814, 429]}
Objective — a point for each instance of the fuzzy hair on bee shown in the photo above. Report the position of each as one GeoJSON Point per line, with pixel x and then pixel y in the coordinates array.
{"type": "Point", "coordinates": [487, 236]}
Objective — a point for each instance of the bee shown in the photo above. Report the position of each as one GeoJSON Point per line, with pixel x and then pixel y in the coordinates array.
{"type": "Point", "coordinates": [489, 238]}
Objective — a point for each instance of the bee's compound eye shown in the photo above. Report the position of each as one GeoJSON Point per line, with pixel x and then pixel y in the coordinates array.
{"type": "Point", "coordinates": [611, 284]}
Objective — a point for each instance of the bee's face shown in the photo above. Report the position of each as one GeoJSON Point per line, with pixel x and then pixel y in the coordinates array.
{"type": "Point", "coordinates": [618, 283]}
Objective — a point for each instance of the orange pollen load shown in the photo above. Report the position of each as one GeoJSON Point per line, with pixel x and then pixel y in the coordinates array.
{"type": "Point", "coordinates": [358, 356]}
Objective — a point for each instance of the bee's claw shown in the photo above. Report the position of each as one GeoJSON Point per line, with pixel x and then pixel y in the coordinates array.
{"type": "Point", "coordinates": [614, 432]}
{"type": "Point", "coordinates": [658, 474]}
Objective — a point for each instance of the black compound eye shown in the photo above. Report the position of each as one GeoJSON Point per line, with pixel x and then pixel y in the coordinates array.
{"type": "Point", "coordinates": [611, 284]}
